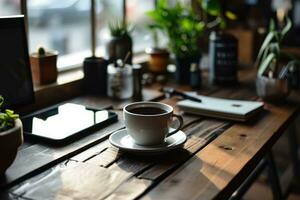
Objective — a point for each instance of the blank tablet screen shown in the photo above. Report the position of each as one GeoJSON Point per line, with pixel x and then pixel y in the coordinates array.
{"type": "Point", "coordinates": [66, 120]}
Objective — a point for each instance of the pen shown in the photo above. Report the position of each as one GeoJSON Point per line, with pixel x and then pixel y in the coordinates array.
{"type": "Point", "coordinates": [172, 91]}
{"type": "Point", "coordinates": [186, 96]}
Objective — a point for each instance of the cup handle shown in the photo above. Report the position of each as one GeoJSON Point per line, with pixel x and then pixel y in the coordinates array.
{"type": "Point", "coordinates": [180, 119]}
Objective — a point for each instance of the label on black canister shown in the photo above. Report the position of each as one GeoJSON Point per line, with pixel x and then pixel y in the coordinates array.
{"type": "Point", "coordinates": [223, 58]}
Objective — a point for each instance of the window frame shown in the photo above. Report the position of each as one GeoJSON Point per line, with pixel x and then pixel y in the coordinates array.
{"type": "Point", "coordinates": [92, 46]}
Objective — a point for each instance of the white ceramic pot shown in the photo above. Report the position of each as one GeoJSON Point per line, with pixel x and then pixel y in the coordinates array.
{"type": "Point", "coordinates": [10, 141]}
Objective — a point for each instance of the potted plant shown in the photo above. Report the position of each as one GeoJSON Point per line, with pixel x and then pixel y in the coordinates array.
{"type": "Point", "coordinates": [11, 137]}
{"type": "Point", "coordinates": [43, 65]}
{"type": "Point", "coordinates": [183, 27]}
{"type": "Point", "coordinates": [120, 43]}
{"type": "Point", "coordinates": [158, 57]}
{"type": "Point", "coordinates": [223, 47]}
{"type": "Point", "coordinates": [272, 83]}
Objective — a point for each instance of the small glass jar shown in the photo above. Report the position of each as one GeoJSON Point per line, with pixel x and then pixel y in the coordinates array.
{"type": "Point", "coordinates": [119, 81]}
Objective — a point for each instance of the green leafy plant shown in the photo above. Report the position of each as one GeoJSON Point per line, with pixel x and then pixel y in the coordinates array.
{"type": "Point", "coordinates": [270, 51]}
{"type": "Point", "coordinates": [182, 26]}
{"type": "Point", "coordinates": [119, 29]}
{"type": "Point", "coordinates": [7, 118]}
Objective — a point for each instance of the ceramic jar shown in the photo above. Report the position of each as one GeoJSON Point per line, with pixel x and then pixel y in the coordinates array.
{"type": "Point", "coordinates": [119, 81]}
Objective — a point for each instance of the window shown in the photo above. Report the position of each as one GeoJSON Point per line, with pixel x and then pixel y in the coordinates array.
{"type": "Point", "coordinates": [135, 15]}
{"type": "Point", "coordinates": [65, 25]}
{"type": "Point", "coordinates": [107, 11]}
{"type": "Point", "coordinates": [60, 25]}
{"type": "Point", "coordinates": [9, 7]}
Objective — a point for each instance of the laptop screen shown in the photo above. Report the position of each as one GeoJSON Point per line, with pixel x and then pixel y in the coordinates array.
{"type": "Point", "coordinates": [15, 74]}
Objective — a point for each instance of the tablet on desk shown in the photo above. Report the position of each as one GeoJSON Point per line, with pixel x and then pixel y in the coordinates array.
{"type": "Point", "coordinates": [65, 123]}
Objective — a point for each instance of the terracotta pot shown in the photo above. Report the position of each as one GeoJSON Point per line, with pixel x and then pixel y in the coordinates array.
{"type": "Point", "coordinates": [158, 60]}
{"type": "Point", "coordinates": [44, 70]}
{"type": "Point", "coordinates": [10, 141]}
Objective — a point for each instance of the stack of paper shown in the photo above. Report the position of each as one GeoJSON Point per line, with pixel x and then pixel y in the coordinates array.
{"type": "Point", "coordinates": [221, 108]}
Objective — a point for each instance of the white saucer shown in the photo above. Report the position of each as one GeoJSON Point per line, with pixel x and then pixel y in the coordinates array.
{"type": "Point", "coordinates": [123, 141]}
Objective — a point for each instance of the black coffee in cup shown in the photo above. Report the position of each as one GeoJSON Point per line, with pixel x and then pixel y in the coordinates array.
{"type": "Point", "coordinates": [148, 111]}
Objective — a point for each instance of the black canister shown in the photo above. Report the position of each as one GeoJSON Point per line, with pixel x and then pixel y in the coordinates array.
{"type": "Point", "coordinates": [95, 75]}
{"type": "Point", "coordinates": [223, 58]}
{"type": "Point", "coordinates": [183, 64]}
{"type": "Point", "coordinates": [195, 77]}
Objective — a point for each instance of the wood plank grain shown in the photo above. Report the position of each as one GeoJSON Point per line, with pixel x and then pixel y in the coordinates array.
{"type": "Point", "coordinates": [130, 189]}
{"type": "Point", "coordinates": [82, 181]}
{"type": "Point", "coordinates": [156, 166]}
{"type": "Point", "coordinates": [217, 170]}
{"type": "Point", "coordinates": [91, 152]}
{"type": "Point", "coordinates": [86, 155]}
{"type": "Point", "coordinates": [153, 166]}
{"type": "Point", "coordinates": [51, 155]}
{"type": "Point", "coordinates": [199, 134]}
{"type": "Point", "coordinates": [198, 137]}
{"type": "Point", "coordinates": [133, 166]}
{"type": "Point", "coordinates": [106, 158]}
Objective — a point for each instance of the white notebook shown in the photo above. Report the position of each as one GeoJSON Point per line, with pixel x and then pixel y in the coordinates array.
{"type": "Point", "coordinates": [221, 108]}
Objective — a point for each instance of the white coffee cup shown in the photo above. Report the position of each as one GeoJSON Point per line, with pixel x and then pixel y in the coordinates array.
{"type": "Point", "coordinates": [148, 123]}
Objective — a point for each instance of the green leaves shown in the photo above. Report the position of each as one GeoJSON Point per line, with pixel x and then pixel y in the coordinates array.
{"type": "Point", "coordinates": [7, 119]}
{"type": "Point", "coordinates": [230, 15]}
{"type": "Point", "coordinates": [270, 49]}
{"type": "Point", "coordinates": [264, 45]}
{"type": "Point", "coordinates": [162, 3]}
{"type": "Point", "coordinates": [1, 100]}
{"type": "Point", "coordinates": [11, 114]}
{"type": "Point", "coordinates": [265, 64]}
{"type": "Point", "coordinates": [287, 27]}
{"type": "Point", "coordinates": [180, 24]}
{"type": "Point", "coordinates": [119, 29]}
{"type": "Point", "coordinates": [272, 25]}
{"type": "Point", "coordinates": [212, 7]}
{"type": "Point", "coordinates": [216, 8]}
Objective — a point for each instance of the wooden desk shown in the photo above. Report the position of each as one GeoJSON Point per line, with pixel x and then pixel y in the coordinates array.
{"type": "Point", "coordinates": [215, 160]}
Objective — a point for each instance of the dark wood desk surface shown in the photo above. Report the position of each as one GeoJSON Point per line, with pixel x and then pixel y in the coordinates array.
{"type": "Point", "coordinates": [215, 160]}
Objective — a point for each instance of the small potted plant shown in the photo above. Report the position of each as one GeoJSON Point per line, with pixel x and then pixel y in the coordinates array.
{"type": "Point", "coordinates": [183, 28]}
{"type": "Point", "coordinates": [158, 57]}
{"type": "Point", "coordinates": [272, 84]}
{"type": "Point", "coordinates": [43, 65]}
{"type": "Point", "coordinates": [120, 43]}
{"type": "Point", "coordinates": [11, 137]}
